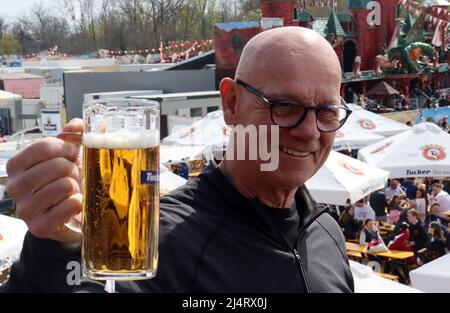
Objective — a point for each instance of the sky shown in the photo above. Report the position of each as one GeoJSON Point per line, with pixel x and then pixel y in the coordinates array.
{"type": "Point", "coordinates": [13, 8]}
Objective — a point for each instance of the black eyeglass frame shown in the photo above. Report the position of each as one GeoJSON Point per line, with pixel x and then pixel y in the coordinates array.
{"type": "Point", "coordinates": [273, 102]}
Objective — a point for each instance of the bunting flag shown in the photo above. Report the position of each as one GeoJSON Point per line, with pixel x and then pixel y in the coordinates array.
{"type": "Point", "coordinates": [394, 40]}
{"type": "Point", "coordinates": [179, 47]}
{"type": "Point", "coordinates": [437, 38]}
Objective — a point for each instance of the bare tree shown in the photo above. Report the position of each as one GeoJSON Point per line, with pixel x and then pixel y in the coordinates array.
{"type": "Point", "coordinates": [40, 28]}
{"type": "Point", "coordinates": [3, 26]}
{"type": "Point", "coordinates": [80, 26]}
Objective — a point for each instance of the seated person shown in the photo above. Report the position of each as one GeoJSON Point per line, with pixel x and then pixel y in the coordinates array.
{"type": "Point", "coordinates": [393, 217]}
{"type": "Point", "coordinates": [420, 204]}
{"type": "Point", "coordinates": [434, 216]}
{"type": "Point", "coordinates": [394, 189]}
{"type": "Point", "coordinates": [349, 225]}
{"type": "Point", "coordinates": [396, 204]}
{"type": "Point", "coordinates": [418, 237]}
{"type": "Point", "coordinates": [369, 233]}
{"type": "Point", "coordinates": [401, 242]}
{"type": "Point", "coordinates": [370, 237]}
{"type": "Point", "coordinates": [436, 242]}
{"type": "Point", "coordinates": [363, 211]}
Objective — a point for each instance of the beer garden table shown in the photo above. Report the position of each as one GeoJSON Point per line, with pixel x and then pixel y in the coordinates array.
{"type": "Point", "coordinates": [395, 255]}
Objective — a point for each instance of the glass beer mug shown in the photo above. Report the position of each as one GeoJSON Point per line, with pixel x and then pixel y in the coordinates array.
{"type": "Point", "coordinates": [120, 215]}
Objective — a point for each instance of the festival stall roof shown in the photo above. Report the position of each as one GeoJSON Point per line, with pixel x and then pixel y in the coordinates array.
{"type": "Point", "coordinates": [8, 98]}
{"type": "Point", "coordinates": [349, 77]}
{"type": "Point", "coordinates": [334, 27]}
{"type": "Point", "coordinates": [345, 17]}
{"type": "Point", "coordinates": [25, 84]}
{"type": "Point", "coordinates": [382, 89]}
{"type": "Point", "coordinates": [72, 63]}
{"type": "Point", "coordinates": [421, 151]}
{"type": "Point", "coordinates": [358, 4]}
{"type": "Point", "coordinates": [431, 3]}
{"type": "Point", "coordinates": [304, 16]}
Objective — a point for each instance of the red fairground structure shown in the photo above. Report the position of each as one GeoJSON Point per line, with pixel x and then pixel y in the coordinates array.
{"type": "Point", "coordinates": [390, 50]}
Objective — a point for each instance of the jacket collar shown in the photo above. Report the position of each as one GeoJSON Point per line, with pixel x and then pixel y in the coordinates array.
{"type": "Point", "coordinates": [310, 208]}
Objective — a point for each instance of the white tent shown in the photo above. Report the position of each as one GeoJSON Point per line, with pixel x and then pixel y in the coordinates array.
{"type": "Point", "coordinates": [423, 151]}
{"type": "Point", "coordinates": [433, 276]}
{"type": "Point", "coordinates": [12, 233]}
{"type": "Point", "coordinates": [178, 153]}
{"type": "Point", "coordinates": [343, 178]}
{"type": "Point", "coordinates": [9, 99]}
{"type": "Point", "coordinates": [349, 137]}
{"type": "Point", "coordinates": [208, 131]}
{"type": "Point", "coordinates": [366, 281]}
{"type": "Point", "coordinates": [361, 119]}
{"type": "Point", "coordinates": [169, 180]}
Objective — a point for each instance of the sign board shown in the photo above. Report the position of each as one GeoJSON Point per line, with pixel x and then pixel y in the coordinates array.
{"type": "Point", "coordinates": [51, 122]}
{"type": "Point", "coordinates": [184, 112]}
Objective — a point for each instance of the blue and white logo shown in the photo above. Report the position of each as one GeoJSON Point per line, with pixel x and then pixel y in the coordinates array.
{"type": "Point", "coordinates": [149, 177]}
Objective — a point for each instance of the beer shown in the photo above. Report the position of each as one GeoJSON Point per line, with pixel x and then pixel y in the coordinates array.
{"type": "Point", "coordinates": [120, 215]}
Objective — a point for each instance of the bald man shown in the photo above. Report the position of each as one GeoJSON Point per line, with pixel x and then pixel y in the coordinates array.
{"type": "Point", "coordinates": [236, 228]}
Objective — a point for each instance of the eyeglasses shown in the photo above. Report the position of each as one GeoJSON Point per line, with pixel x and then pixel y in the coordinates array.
{"type": "Point", "coordinates": [289, 114]}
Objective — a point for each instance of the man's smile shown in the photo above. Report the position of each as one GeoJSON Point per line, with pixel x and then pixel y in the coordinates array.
{"type": "Point", "coordinates": [296, 153]}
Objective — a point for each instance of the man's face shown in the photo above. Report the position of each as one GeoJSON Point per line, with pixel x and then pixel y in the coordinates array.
{"type": "Point", "coordinates": [394, 184]}
{"type": "Point", "coordinates": [435, 190]}
{"type": "Point", "coordinates": [434, 209]}
{"type": "Point", "coordinates": [302, 149]}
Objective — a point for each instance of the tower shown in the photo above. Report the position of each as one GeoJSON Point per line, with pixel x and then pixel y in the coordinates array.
{"type": "Point", "coordinates": [372, 38]}
{"type": "Point", "coordinates": [388, 18]}
{"type": "Point", "coordinates": [280, 9]}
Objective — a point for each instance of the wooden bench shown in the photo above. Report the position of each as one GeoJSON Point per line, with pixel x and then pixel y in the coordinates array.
{"type": "Point", "coordinates": [389, 276]}
{"type": "Point", "coordinates": [354, 255]}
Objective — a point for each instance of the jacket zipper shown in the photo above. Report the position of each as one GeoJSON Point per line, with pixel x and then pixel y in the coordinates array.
{"type": "Point", "coordinates": [302, 270]}
{"type": "Point", "coordinates": [294, 251]}
{"type": "Point", "coordinates": [297, 255]}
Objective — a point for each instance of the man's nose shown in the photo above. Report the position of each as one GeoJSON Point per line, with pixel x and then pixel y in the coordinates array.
{"type": "Point", "coordinates": [307, 129]}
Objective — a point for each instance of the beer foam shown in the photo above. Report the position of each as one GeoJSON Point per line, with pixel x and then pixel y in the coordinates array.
{"type": "Point", "coordinates": [122, 139]}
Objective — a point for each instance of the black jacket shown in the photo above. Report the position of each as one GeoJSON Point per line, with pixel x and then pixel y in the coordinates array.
{"type": "Point", "coordinates": [418, 234]}
{"type": "Point", "coordinates": [213, 239]}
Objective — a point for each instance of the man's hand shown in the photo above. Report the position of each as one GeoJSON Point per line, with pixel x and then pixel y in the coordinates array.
{"type": "Point", "coordinates": [45, 183]}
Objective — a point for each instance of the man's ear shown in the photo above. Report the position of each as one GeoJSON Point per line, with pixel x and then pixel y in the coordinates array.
{"type": "Point", "coordinates": [228, 94]}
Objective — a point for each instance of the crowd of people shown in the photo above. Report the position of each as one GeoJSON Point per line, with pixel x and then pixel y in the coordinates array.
{"type": "Point", "coordinates": [416, 208]}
